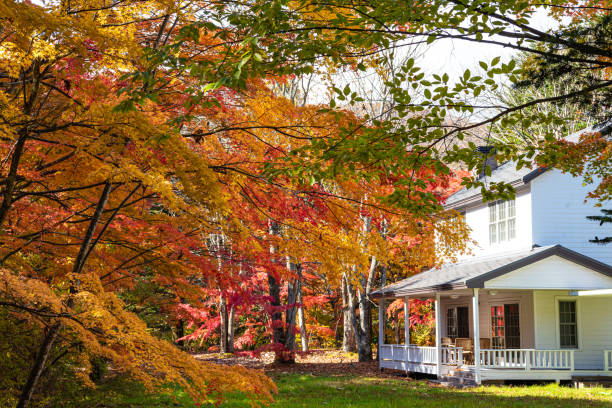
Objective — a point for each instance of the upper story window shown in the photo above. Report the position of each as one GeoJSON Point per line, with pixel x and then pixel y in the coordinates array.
{"type": "Point", "coordinates": [502, 221]}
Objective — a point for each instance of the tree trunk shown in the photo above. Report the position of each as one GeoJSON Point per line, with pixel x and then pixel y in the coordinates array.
{"type": "Point", "coordinates": [39, 365]}
{"type": "Point", "coordinates": [278, 333]}
{"type": "Point", "coordinates": [230, 330]}
{"type": "Point", "coordinates": [302, 321]}
{"type": "Point", "coordinates": [348, 334]}
{"type": "Point", "coordinates": [223, 326]}
{"type": "Point", "coordinates": [383, 283]}
{"type": "Point", "coordinates": [180, 332]}
{"type": "Point", "coordinates": [84, 252]}
{"type": "Point", "coordinates": [11, 178]}
{"type": "Point", "coordinates": [359, 299]}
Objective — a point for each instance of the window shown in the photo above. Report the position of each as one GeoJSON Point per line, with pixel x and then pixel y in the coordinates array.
{"type": "Point", "coordinates": [505, 328]}
{"type": "Point", "coordinates": [568, 327]}
{"type": "Point", "coordinates": [457, 322]}
{"type": "Point", "coordinates": [502, 221]}
{"type": "Point", "coordinates": [451, 322]}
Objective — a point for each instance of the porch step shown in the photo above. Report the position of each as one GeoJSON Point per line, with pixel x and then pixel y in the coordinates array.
{"type": "Point", "coordinates": [461, 377]}
{"type": "Point", "coordinates": [455, 382]}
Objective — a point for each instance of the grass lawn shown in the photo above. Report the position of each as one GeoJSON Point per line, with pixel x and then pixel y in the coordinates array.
{"type": "Point", "coordinates": [296, 390]}
{"type": "Point", "coordinates": [306, 390]}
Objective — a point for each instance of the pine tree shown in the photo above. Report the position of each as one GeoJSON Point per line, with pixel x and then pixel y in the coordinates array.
{"type": "Point", "coordinates": [603, 219]}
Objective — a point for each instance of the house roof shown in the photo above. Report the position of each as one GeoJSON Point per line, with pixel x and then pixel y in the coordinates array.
{"type": "Point", "coordinates": [507, 173]}
{"type": "Point", "coordinates": [473, 273]}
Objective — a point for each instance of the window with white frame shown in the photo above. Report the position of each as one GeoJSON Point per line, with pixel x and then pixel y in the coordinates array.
{"type": "Point", "coordinates": [457, 322]}
{"type": "Point", "coordinates": [502, 221]}
{"type": "Point", "coordinates": [568, 325]}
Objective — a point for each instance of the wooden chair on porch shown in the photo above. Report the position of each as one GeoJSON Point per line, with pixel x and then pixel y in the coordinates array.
{"type": "Point", "coordinates": [447, 341]}
{"type": "Point", "coordinates": [468, 348]}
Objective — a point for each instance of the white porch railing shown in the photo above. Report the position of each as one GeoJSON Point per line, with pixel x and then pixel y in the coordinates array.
{"type": "Point", "coordinates": [452, 356]}
{"type": "Point", "coordinates": [421, 354]}
{"type": "Point", "coordinates": [607, 360]}
{"type": "Point", "coordinates": [409, 353]}
{"type": "Point", "coordinates": [527, 359]}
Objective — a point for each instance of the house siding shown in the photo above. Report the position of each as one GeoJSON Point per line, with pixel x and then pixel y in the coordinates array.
{"type": "Point", "coordinates": [559, 215]}
{"type": "Point", "coordinates": [594, 326]}
{"type": "Point", "coordinates": [477, 219]}
{"type": "Point", "coordinates": [551, 273]}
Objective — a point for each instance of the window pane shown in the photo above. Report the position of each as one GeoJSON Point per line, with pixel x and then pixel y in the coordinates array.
{"type": "Point", "coordinates": [513, 332]}
{"type": "Point", "coordinates": [568, 327]}
{"type": "Point", "coordinates": [511, 229]}
{"type": "Point", "coordinates": [492, 213]}
{"type": "Point", "coordinates": [497, 327]}
{"type": "Point", "coordinates": [501, 209]}
{"type": "Point", "coordinates": [463, 322]}
{"type": "Point", "coordinates": [501, 229]}
{"type": "Point", "coordinates": [492, 233]}
{"type": "Point", "coordinates": [511, 209]}
{"type": "Point", "coordinates": [451, 322]}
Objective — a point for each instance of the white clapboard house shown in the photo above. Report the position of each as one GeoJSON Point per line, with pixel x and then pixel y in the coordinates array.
{"type": "Point", "coordinates": [536, 294]}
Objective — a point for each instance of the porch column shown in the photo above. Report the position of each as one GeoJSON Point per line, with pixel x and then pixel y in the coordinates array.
{"type": "Point", "coordinates": [476, 318]}
{"type": "Point", "coordinates": [381, 331]}
{"type": "Point", "coordinates": [438, 335]}
{"type": "Point", "coordinates": [406, 321]}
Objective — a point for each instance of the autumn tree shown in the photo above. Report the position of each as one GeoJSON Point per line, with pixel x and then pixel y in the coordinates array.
{"type": "Point", "coordinates": [89, 203]}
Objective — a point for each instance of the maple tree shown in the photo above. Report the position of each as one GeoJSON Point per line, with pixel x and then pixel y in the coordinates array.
{"type": "Point", "coordinates": [146, 139]}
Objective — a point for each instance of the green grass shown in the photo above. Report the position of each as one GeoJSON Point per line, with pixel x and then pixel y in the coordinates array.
{"type": "Point", "coordinates": [305, 390]}
{"type": "Point", "coordinates": [296, 390]}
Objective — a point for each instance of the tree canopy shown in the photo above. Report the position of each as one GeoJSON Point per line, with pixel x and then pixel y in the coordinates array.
{"type": "Point", "coordinates": [148, 140]}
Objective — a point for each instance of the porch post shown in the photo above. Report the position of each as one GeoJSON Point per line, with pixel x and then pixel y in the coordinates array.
{"type": "Point", "coordinates": [476, 318]}
{"type": "Point", "coordinates": [381, 331]}
{"type": "Point", "coordinates": [438, 336]}
{"type": "Point", "coordinates": [406, 321]}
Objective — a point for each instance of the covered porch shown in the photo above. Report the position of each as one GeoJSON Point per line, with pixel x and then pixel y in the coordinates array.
{"type": "Point", "coordinates": [496, 356]}
{"type": "Point", "coordinates": [489, 328]}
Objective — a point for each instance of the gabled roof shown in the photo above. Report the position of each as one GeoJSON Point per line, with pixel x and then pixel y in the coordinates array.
{"type": "Point", "coordinates": [473, 273]}
{"type": "Point", "coordinates": [507, 173]}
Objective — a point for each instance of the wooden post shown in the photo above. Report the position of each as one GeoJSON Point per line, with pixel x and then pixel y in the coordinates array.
{"type": "Point", "coordinates": [438, 336]}
{"type": "Point", "coordinates": [476, 317]}
{"type": "Point", "coordinates": [528, 360]}
{"type": "Point", "coordinates": [406, 321]}
{"type": "Point", "coordinates": [381, 331]}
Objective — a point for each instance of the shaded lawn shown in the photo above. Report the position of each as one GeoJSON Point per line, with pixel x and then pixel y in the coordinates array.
{"type": "Point", "coordinates": [297, 390]}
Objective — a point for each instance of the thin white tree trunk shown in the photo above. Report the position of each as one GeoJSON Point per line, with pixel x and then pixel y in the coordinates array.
{"type": "Point", "coordinates": [302, 322]}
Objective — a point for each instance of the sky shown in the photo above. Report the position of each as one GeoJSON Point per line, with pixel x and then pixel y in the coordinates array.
{"type": "Point", "coordinates": [455, 56]}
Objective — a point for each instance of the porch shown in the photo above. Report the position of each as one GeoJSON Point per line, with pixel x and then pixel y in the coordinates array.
{"type": "Point", "coordinates": [492, 364]}
{"type": "Point", "coordinates": [509, 334]}
{"type": "Point", "coordinates": [539, 314]}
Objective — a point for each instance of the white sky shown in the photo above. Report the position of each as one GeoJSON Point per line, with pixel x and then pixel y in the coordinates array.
{"type": "Point", "coordinates": [455, 56]}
